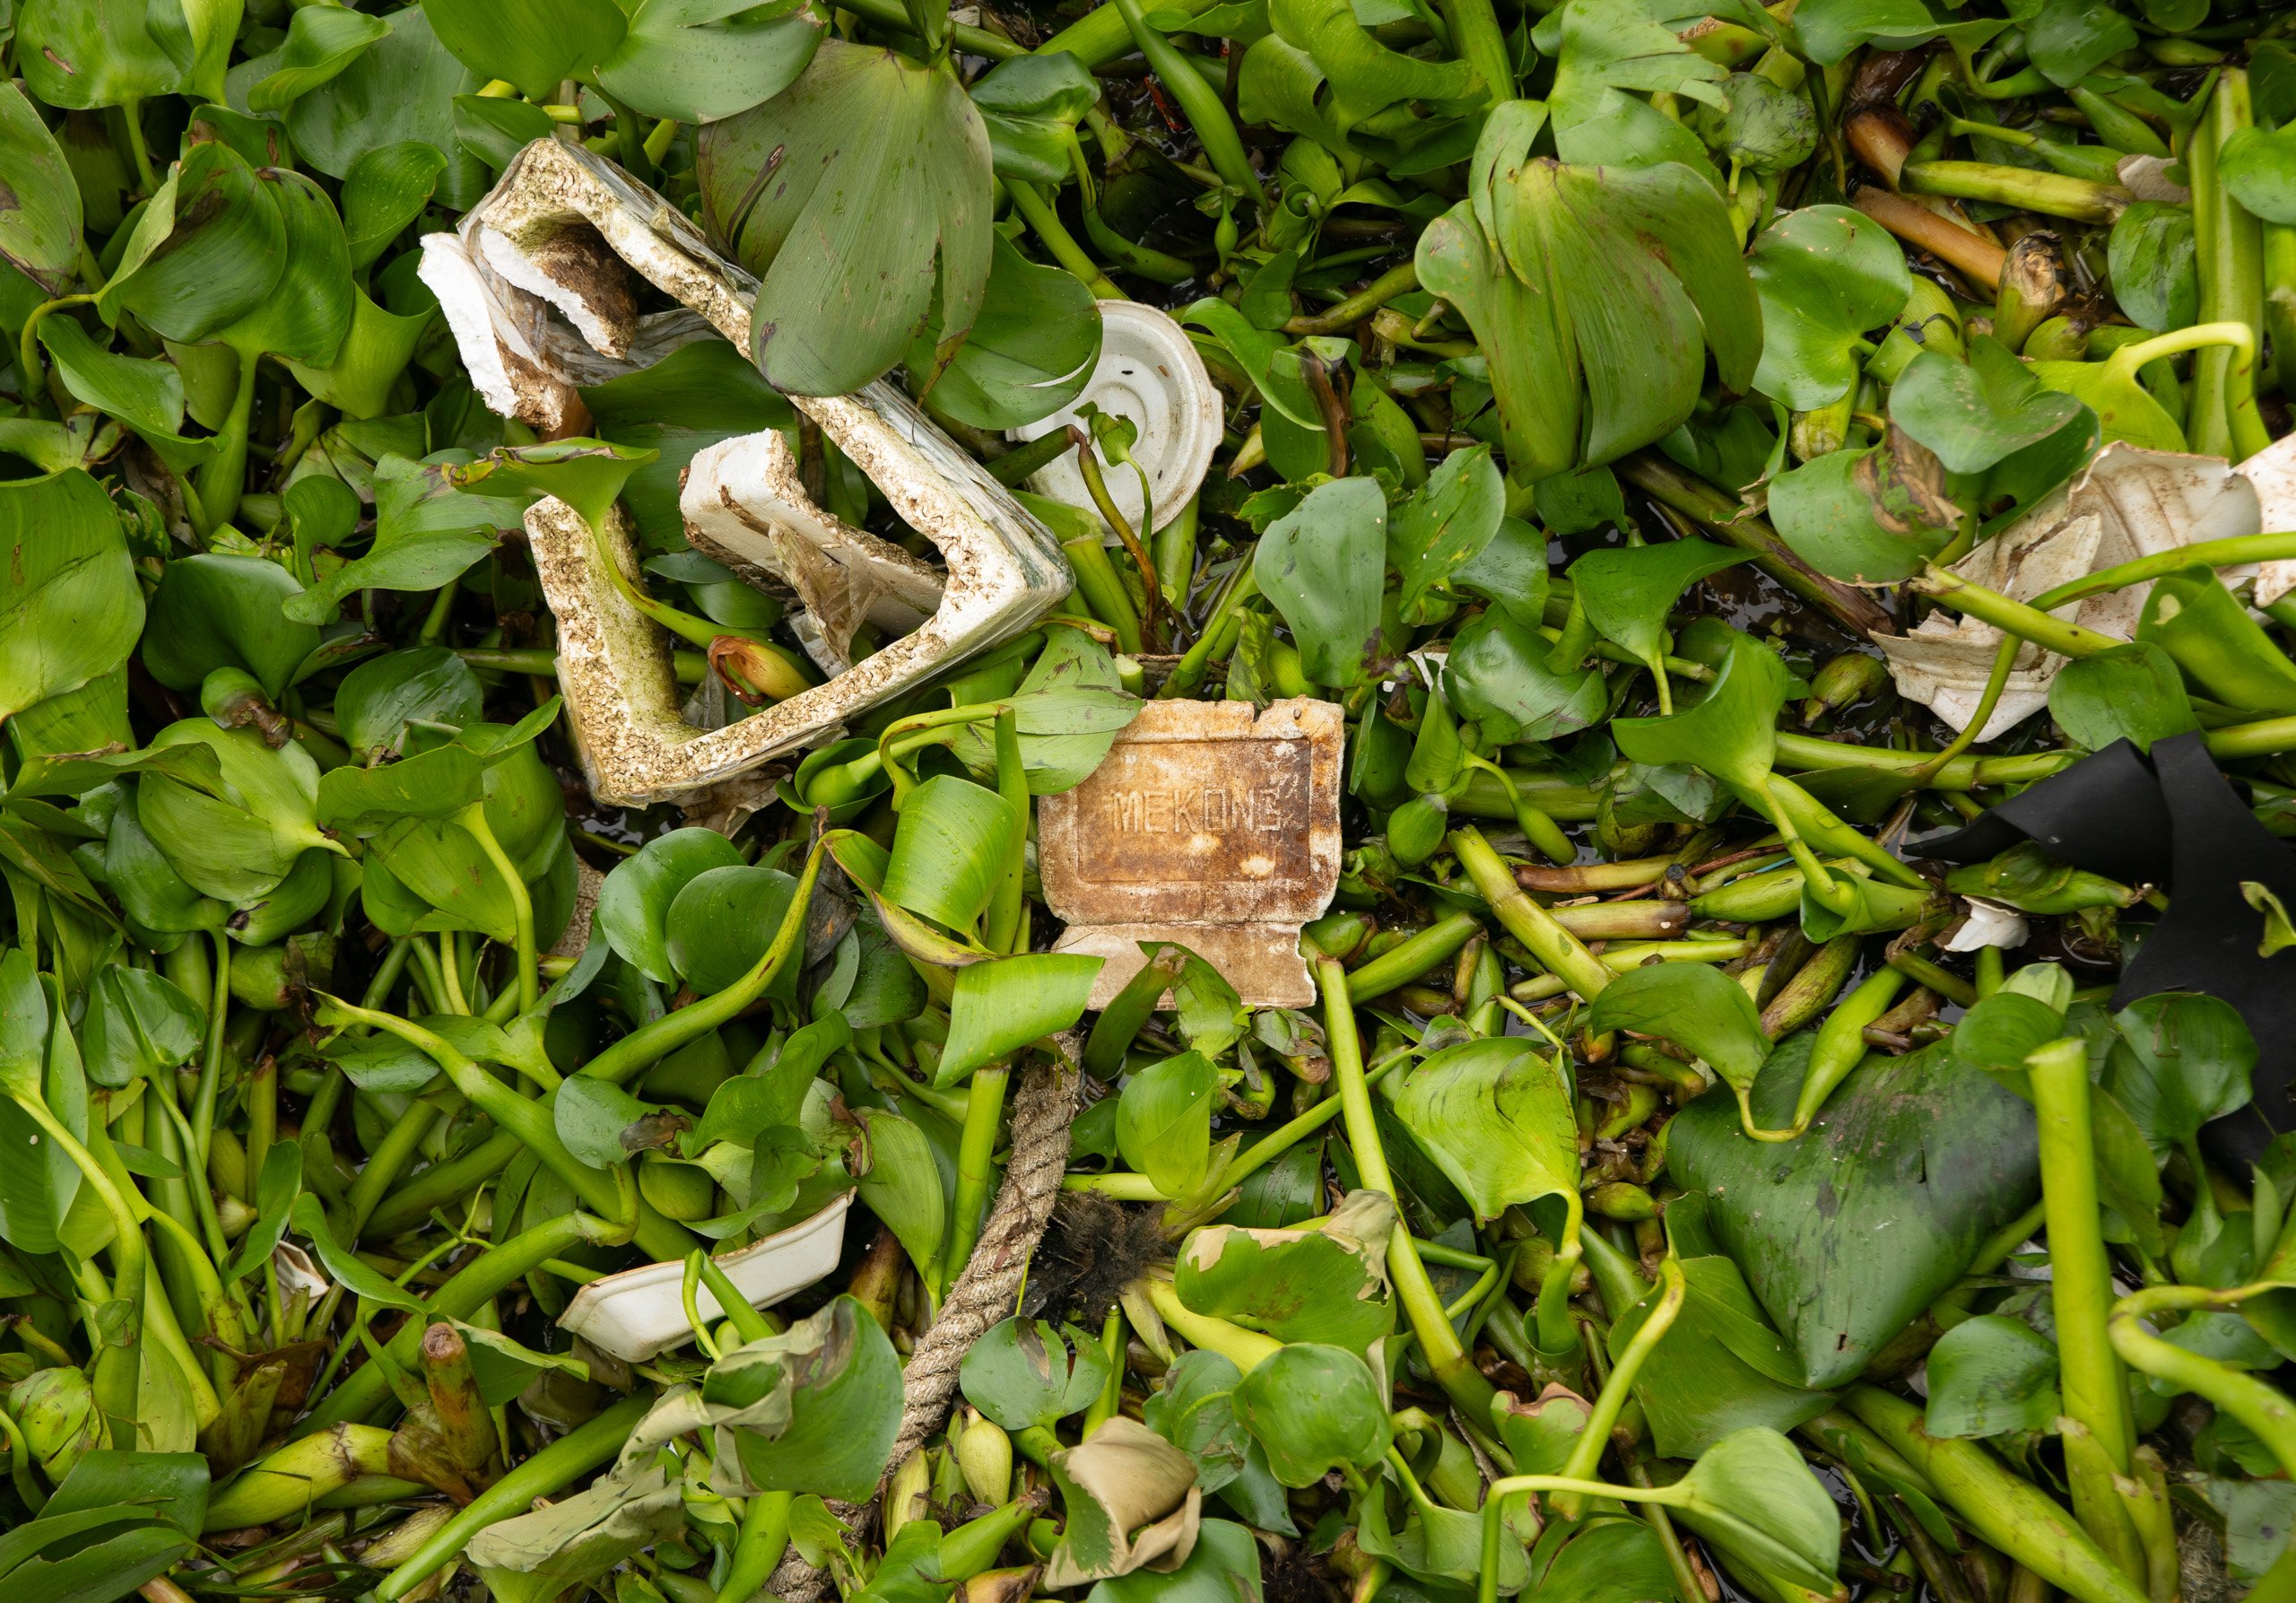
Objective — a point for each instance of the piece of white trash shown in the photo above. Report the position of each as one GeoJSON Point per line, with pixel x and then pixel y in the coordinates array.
{"type": "Point", "coordinates": [2128, 503]}
{"type": "Point", "coordinates": [1987, 924]}
{"type": "Point", "coordinates": [1151, 374]}
{"type": "Point", "coordinates": [639, 1312]}
{"type": "Point", "coordinates": [537, 287]}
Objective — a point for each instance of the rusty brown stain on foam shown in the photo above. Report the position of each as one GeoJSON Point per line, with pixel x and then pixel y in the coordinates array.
{"type": "Point", "coordinates": [1206, 826]}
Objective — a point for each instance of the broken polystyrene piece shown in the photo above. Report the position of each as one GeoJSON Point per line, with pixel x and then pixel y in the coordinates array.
{"type": "Point", "coordinates": [2273, 471]}
{"type": "Point", "coordinates": [502, 338]}
{"type": "Point", "coordinates": [1149, 374]}
{"type": "Point", "coordinates": [1987, 924]}
{"type": "Point", "coordinates": [1208, 826]}
{"type": "Point", "coordinates": [537, 289]}
{"type": "Point", "coordinates": [639, 1312]}
{"type": "Point", "coordinates": [2128, 503]}
{"type": "Point", "coordinates": [298, 1272]}
{"type": "Point", "coordinates": [2148, 179]}
{"type": "Point", "coordinates": [743, 504]}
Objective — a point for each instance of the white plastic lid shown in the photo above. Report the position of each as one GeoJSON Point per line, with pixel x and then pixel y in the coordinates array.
{"type": "Point", "coordinates": [1149, 374]}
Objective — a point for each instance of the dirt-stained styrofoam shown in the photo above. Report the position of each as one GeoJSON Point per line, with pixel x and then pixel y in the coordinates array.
{"type": "Point", "coordinates": [1210, 823]}
{"type": "Point", "coordinates": [744, 503]}
{"type": "Point", "coordinates": [1151, 374]}
{"type": "Point", "coordinates": [2273, 471]}
{"type": "Point", "coordinates": [536, 287]}
{"type": "Point", "coordinates": [641, 1311]}
{"type": "Point", "coordinates": [2129, 503]}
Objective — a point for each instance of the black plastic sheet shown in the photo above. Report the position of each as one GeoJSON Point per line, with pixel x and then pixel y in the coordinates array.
{"type": "Point", "coordinates": [2174, 820]}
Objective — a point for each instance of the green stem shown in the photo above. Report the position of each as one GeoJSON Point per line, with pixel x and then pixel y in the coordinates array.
{"type": "Point", "coordinates": [976, 1167]}
{"type": "Point", "coordinates": [1102, 590]}
{"type": "Point", "coordinates": [1008, 911]}
{"type": "Point", "coordinates": [764, 1537]}
{"type": "Point", "coordinates": [443, 611]}
{"type": "Point", "coordinates": [160, 1326]}
{"type": "Point", "coordinates": [1028, 458]}
{"type": "Point", "coordinates": [1562, 953]}
{"type": "Point", "coordinates": [1811, 753]}
{"type": "Point", "coordinates": [649, 1043]}
{"type": "Point", "coordinates": [522, 905]}
{"type": "Point", "coordinates": [2027, 80]}
{"type": "Point", "coordinates": [1174, 548]}
{"type": "Point", "coordinates": [2095, 1386]}
{"type": "Point", "coordinates": [131, 112]}
{"type": "Point", "coordinates": [385, 1164]}
{"type": "Point", "coordinates": [1841, 1042]}
{"type": "Point", "coordinates": [1105, 1406]}
{"type": "Point", "coordinates": [1145, 260]}
{"type": "Point", "coordinates": [1407, 960]}
{"type": "Point", "coordinates": [1541, 830]}
{"type": "Point", "coordinates": [115, 1383]}
{"type": "Point", "coordinates": [691, 667]}
{"type": "Point", "coordinates": [1817, 821]}
{"type": "Point", "coordinates": [28, 363]}
{"type": "Point", "coordinates": [1246, 1349]}
{"type": "Point", "coordinates": [693, 631]}
{"type": "Point", "coordinates": [1946, 984]}
{"type": "Point", "coordinates": [2051, 193]}
{"type": "Point", "coordinates": [1587, 1452]}
{"type": "Point", "coordinates": [259, 1097]}
{"type": "Point", "coordinates": [194, 1183]}
{"type": "Point", "coordinates": [1088, 463]}
{"type": "Point", "coordinates": [1997, 681]}
{"type": "Point", "coordinates": [2279, 269]}
{"type": "Point", "coordinates": [393, 1368]}
{"type": "Point", "coordinates": [2005, 1510]}
{"type": "Point", "coordinates": [1505, 1486]}
{"type": "Point", "coordinates": [224, 474]}
{"type": "Point", "coordinates": [748, 1323]}
{"type": "Point", "coordinates": [1130, 1009]}
{"type": "Point", "coordinates": [545, 1474]}
{"type": "Point", "coordinates": [2096, 1390]}
{"type": "Point", "coordinates": [1139, 1188]}
{"type": "Point", "coordinates": [1480, 43]}
{"type": "Point", "coordinates": [1198, 101]}
{"type": "Point", "coordinates": [220, 1316]}
{"type": "Point", "coordinates": [1189, 673]}
{"type": "Point", "coordinates": [450, 972]}
{"type": "Point", "coordinates": [2223, 419]}
{"type": "Point", "coordinates": [440, 1184]}
{"type": "Point", "coordinates": [1438, 1343]}
{"type": "Point", "coordinates": [2265, 737]}
{"type": "Point", "coordinates": [906, 736]}
{"type": "Point", "coordinates": [1687, 1589]}
{"type": "Point", "coordinates": [2262, 1408]}
{"type": "Point", "coordinates": [1720, 513]}
{"type": "Point", "coordinates": [2096, 163]}
{"type": "Point", "coordinates": [1343, 315]}
{"type": "Point", "coordinates": [210, 1068]}
{"type": "Point", "coordinates": [1044, 221]}
{"type": "Point", "coordinates": [630, 134]}
{"type": "Point", "coordinates": [971, 40]}
{"type": "Point", "coordinates": [532, 1122]}
{"type": "Point", "coordinates": [472, 1287]}
{"type": "Point", "coordinates": [2228, 552]}
{"type": "Point", "coordinates": [1102, 35]}
{"type": "Point", "coordinates": [2026, 622]}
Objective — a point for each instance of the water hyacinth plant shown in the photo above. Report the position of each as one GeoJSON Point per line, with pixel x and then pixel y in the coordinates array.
{"type": "Point", "coordinates": [1791, 1101]}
